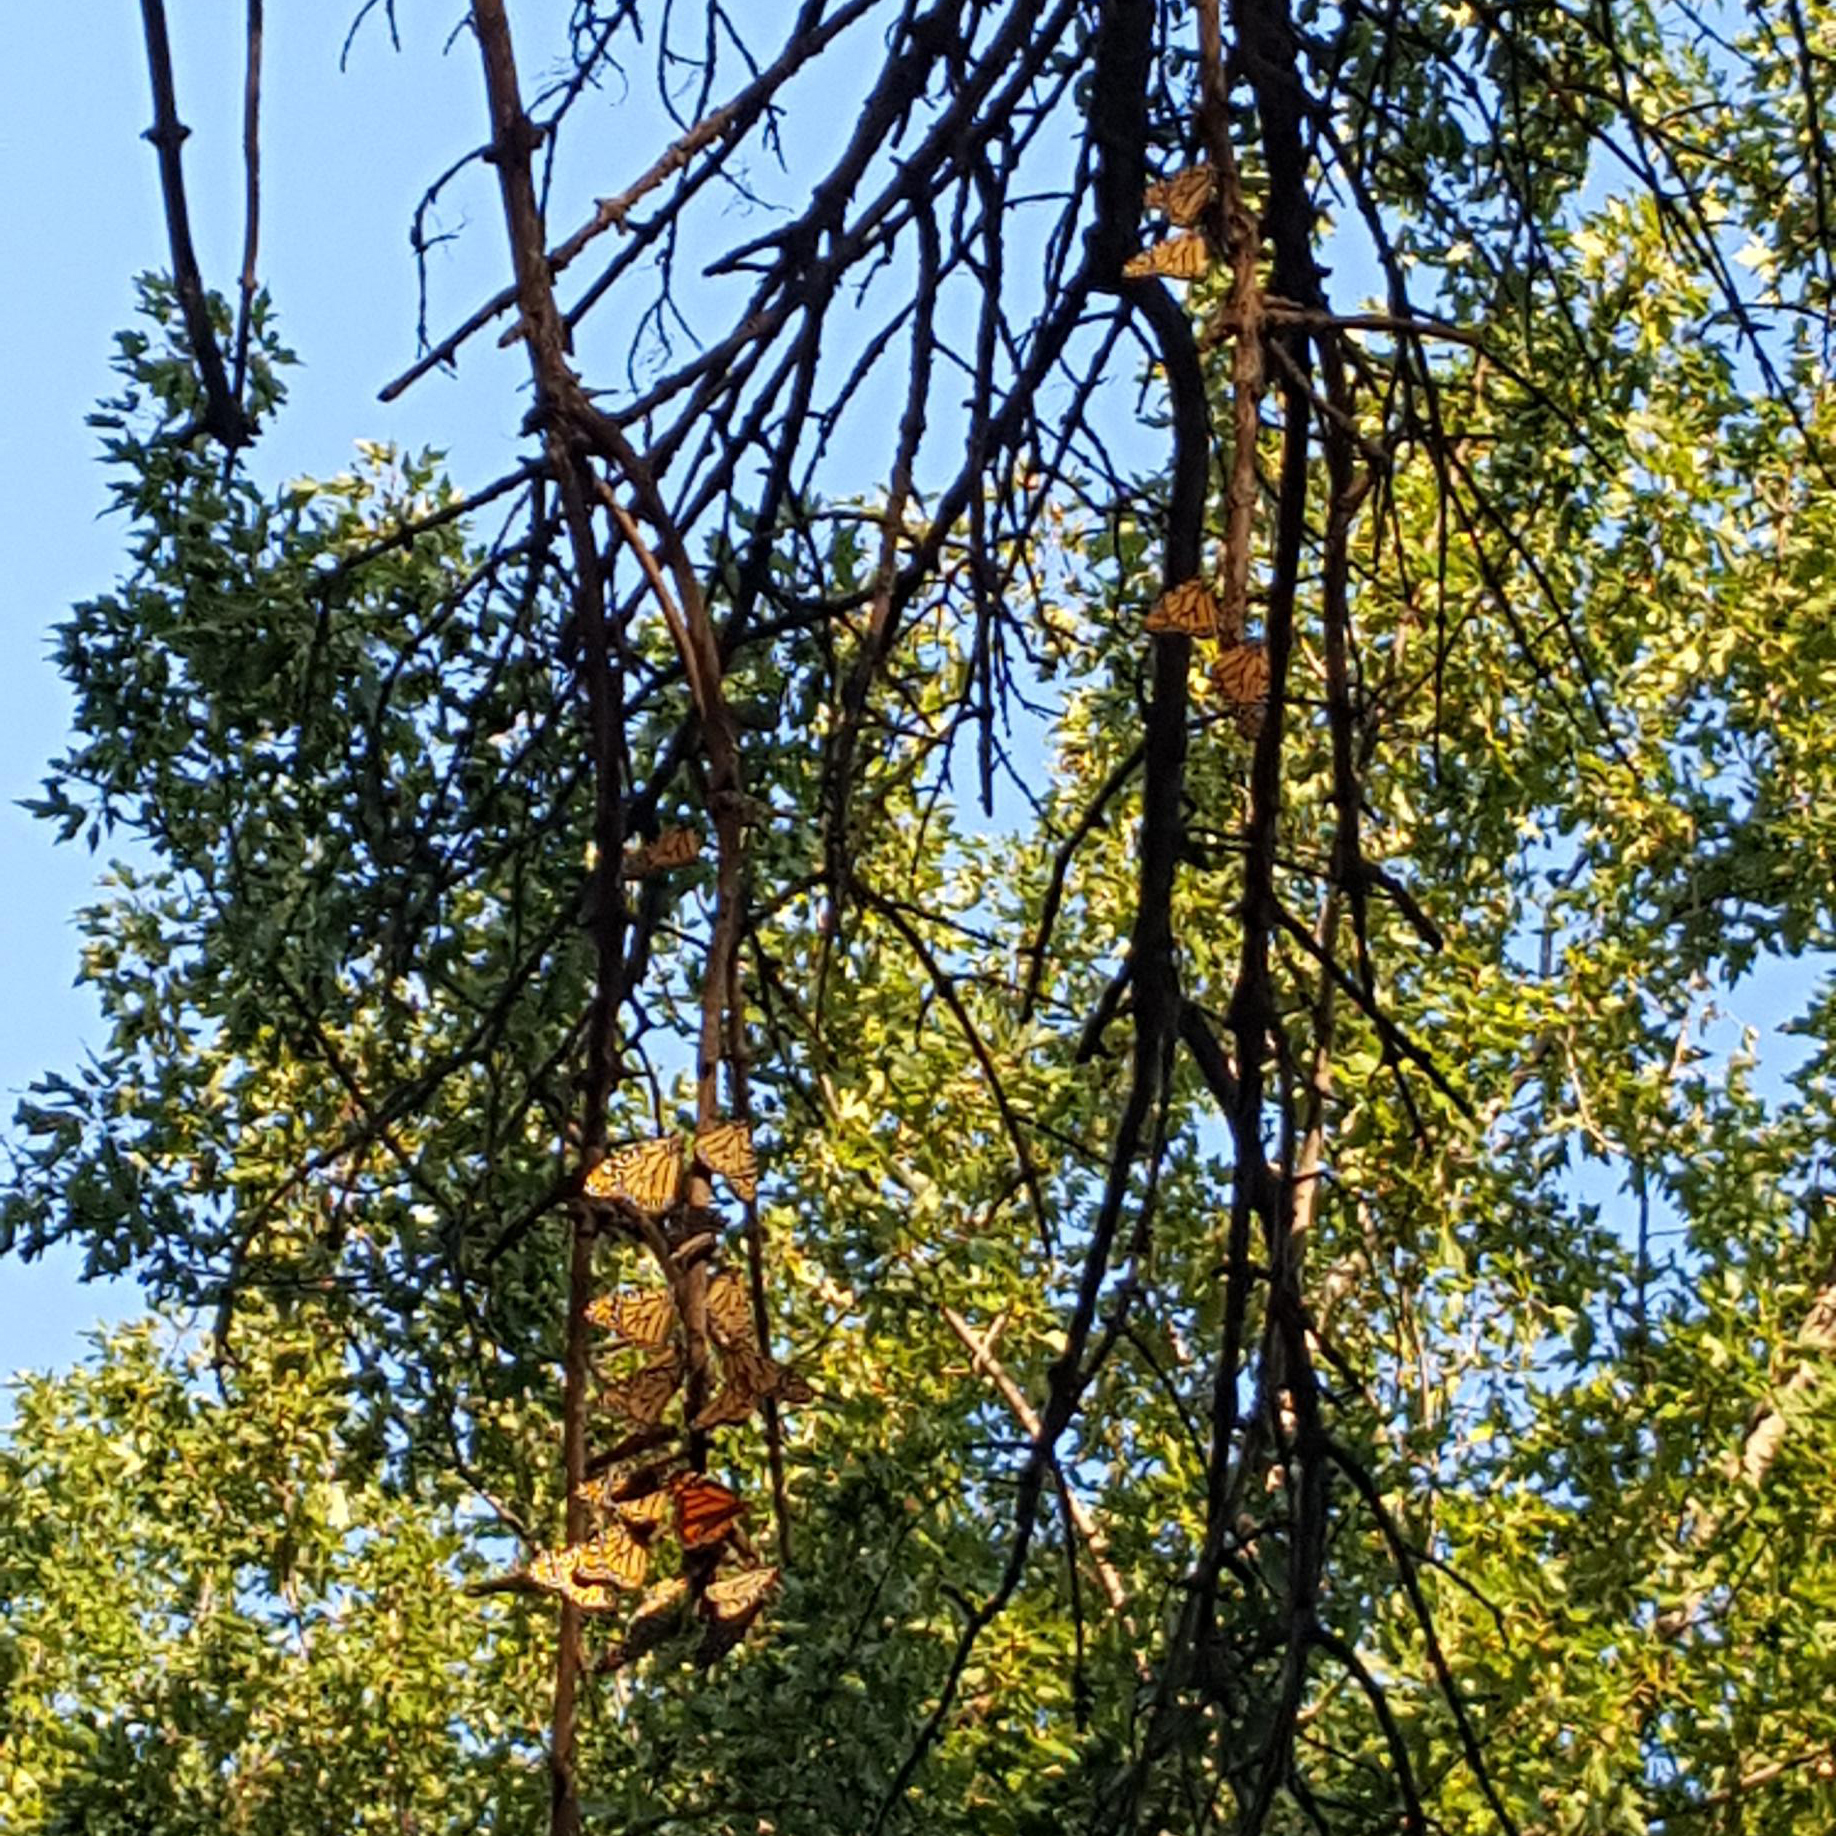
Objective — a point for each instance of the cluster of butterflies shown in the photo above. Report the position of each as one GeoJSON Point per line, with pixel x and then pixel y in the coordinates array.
{"type": "Point", "coordinates": [639, 1497]}
{"type": "Point", "coordinates": [646, 1321]}
{"type": "Point", "coordinates": [648, 1174]}
{"type": "Point", "coordinates": [1240, 672]}
{"type": "Point", "coordinates": [1182, 199]}
{"type": "Point", "coordinates": [636, 1502]}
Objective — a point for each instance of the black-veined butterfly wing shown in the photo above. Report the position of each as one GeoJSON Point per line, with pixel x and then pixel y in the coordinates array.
{"type": "Point", "coordinates": [647, 1174]}
{"type": "Point", "coordinates": [729, 1607]}
{"type": "Point", "coordinates": [672, 848]}
{"type": "Point", "coordinates": [730, 1404]}
{"type": "Point", "coordinates": [1182, 196]}
{"type": "Point", "coordinates": [1190, 609]}
{"type": "Point", "coordinates": [705, 1510]}
{"type": "Point", "coordinates": [730, 1311]}
{"type": "Point", "coordinates": [726, 1149]}
{"type": "Point", "coordinates": [1178, 258]}
{"type": "Point", "coordinates": [614, 1557]}
{"type": "Point", "coordinates": [639, 1318]}
{"type": "Point", "coordinates": [643, 1398]}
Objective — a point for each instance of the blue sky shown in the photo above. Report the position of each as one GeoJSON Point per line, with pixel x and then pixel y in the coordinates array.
{"type": "Point", "coordinates": [344, 161]}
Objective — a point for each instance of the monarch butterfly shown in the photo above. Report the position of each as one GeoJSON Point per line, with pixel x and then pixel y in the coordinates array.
{"type": "Point", "coordinates": [744, 1592]}
{"type": "Point", "coordinates": [549, 1569]}
{"type": "Point", "coordinates": [1230, 625]}
{"type": "Point", "coordinates": [733, 1404]}
{"type": "Point", "coordinates": [589, 1597]}
{"type": "Point", "coordinates": [1242, 674]}
{"type": "Point", "coordinates": [673, 848]}
{"type": "Point", "coordinates": [661, 1597]}
{"type": "Point", "coordinates": [751, 1371]}
{"type": "Point", "coordinates": [598, 1491]}
{"type": "Point", "coordinates": [729, 1608]}
{"type": "Point", "coordinates": [647, 1512]}
{"type": "Point", "coordinates": [646, 1173]}
{"type": "Point", "coordinates": [643, 1398]}
{"type": "Point", "coordinates": [1190, 608]}
{"type": "Point", "coordinates": [1178, 258]}
{"type": "Point", "coordinates": [638, 1319]}
{"type": "Point", "coordinates": [553, 1572]}
{"type": "Point", "coordinates": [614, 1556]}
{"type": "Point", "coordinates": [686, 1254]}
{"type": "Point", "coordinates": [1183, 196]}
{"type": "Point", "coordinates": [726, 1149]}
{"type": "Point", "coordinates": [730, 1311]}
{"type": "Point", "coordinates": [705, 1510]}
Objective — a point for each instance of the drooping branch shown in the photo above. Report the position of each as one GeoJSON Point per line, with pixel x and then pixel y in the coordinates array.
{"type": "Point", "coordinates": [222, 416]}
{"type": "Point", "coordinates": [984, 1362]}
{"type": "Point", "coordinates": [251, 202]}
{"type": "Point", "coordinates": [513, 142]}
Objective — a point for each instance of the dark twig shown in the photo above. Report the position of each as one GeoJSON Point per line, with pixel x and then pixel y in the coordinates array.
{"type": "Point", "coordinates": [222, 417]}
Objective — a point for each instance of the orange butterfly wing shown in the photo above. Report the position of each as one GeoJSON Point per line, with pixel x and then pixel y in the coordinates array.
{"type": "Point", "coordinates": [628, 1489]}
{"type": "Point", "coordinates": [597, 1491]}
{"type": "Point", "coordinates": [1178, 258]}
{"type": "Point", "coordinates": [730, 1311]}
{"type": "Point", "coordinates": [751, 1371]}
{"type": "Point", "coordinates": [1183, 196]}
{"type": "Point", "coordinates": [672, 848]}
{"type": "Point", "coordinates": [732, 1404]}
{"type": "Point", "coordinates": [638, 1318]}
{"type": "Point", "coordinates": [729, 1607]}
{"type": "Point", "coordinates": [1190, 609]}
{"type": "Point", "coordinates": [636, 1444]}
{"type": "Point", "coordinates": [647, 1174]}
{"type": "Point", "coordinates": [658, 1615]}
{"type": "Point", "coordinates": [1241, 673]}
{"type": "Point", "coordinates": [554, 1572]}
{"type": "Point", "coordinates": [705, 1510]}
{"type": "Point", "coordinates": [791, 1389]}
{"type": "Point", "coordinates": [613, 1557]}
{"type": "Point", "coordinates": [550, 1569]}
{"type": "Point", "coordinates": [646, 1512]}
{"type": "Point", "coordinates": [757, 1375]}
{"type": "Point", "coordinates": [643, 1398]}
{"type": "Point", "coordinates": [661, 1598]}
{"type": "Point", "coordinates": [726, 1149]}
{"type": "Point", "coordinates": [744, 1592]}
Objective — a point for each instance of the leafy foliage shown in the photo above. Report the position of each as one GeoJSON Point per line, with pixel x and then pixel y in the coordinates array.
{"type": "Point", "coordinates": [1441, 1430]}
{"type": "Point", "coordinates": [221, 1615]}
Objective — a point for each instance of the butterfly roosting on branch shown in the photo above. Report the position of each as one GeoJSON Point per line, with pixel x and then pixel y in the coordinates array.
{"type": "Point", "coordinates": [729, 1606]}
{"type": "Point", "coordinates": [643, 1398]}
{"type": "Point", "coordinates": [706, 1510]}
{"type": "Point", "coordinates": [647, 1174]}
{"type": "Point", "coordinates": [1189, 609]}
{"type": "Point", "coordinates": [1178, 258]}
{"type": "Point", "coordinates": [1241, 675]}
{"type": "Point", "coordinates": [673, 848]}
{"type": "Point", "coordinates": [1182, 196]}
{"type": "Point", "coordinates": [725, 1148]}
{"type": "Point", "coordinates": [646, 1318]}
